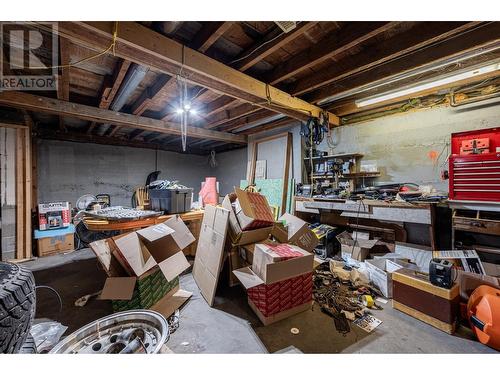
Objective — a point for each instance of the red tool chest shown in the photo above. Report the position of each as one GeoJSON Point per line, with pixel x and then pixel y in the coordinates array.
{"type": "Point", "coordinates": [475, 177]}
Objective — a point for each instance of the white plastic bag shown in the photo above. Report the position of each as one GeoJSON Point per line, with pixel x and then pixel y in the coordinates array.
{"type": "Point", "coordinates": [47, 335]}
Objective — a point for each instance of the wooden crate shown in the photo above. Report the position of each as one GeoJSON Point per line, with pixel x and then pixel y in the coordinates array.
{"type": "Point", "coordinates": [414, 295]}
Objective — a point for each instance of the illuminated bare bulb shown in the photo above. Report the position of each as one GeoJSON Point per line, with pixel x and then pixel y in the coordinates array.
{"type": "Point", "coordinates": [179, 111]}
{"type": "Point", "coordinates": [192, 111]}
{"type": "Point", "coordinates": [187, 107]}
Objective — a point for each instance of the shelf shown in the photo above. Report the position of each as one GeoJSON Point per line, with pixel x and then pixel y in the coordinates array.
{"type": "Point", "coordinates": [362, 175]}
{"type": "Point", "coordinates": [348, 175]}
{"type": "Point", "coordinates": [336, 156]}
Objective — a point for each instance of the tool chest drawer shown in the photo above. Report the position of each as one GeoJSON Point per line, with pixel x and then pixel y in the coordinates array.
{"type": "Point", "coordinates": [477, 221]}
{"type": "Point", "coordinates": [475, 177]}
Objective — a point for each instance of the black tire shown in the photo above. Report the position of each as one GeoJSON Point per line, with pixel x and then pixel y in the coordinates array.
{"type": "Point", "coordinates": [17, 306]}
{"type": "Point", "coordinates": [29, 346]}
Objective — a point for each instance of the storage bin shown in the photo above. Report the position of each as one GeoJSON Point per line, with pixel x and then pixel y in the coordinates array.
{"type": "Point", "coordinates": [170, 201]}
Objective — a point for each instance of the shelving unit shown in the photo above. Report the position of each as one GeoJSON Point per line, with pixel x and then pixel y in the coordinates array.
{"type": "Point", "coordinates": [353, 177]}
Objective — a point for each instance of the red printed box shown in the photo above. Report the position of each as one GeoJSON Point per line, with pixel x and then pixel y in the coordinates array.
{"type": "Point", "coordinates": [280, 296]}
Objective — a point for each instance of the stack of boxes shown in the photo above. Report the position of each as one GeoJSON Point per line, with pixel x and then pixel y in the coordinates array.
{"type": "Point", "coordinates": [272, 261]}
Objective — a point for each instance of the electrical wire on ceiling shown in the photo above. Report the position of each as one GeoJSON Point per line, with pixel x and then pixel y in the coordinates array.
{"type": "Point", "coordinates": [111, 47]}
{"type": "Point", "coordinates": [183, 97]}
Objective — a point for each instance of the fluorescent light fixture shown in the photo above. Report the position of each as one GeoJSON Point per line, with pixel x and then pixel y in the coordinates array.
{"type": "Point", "coordinates": [428, 85]}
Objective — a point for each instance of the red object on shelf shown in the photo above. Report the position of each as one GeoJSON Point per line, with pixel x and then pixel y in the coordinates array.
{"type": "Point", "coordinates": [475, 177]}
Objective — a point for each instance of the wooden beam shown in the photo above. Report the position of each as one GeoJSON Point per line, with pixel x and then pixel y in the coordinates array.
{"type": "Point", "coordinates": [269, 126]}
{"type": "Point", "coordinates": [240, 122]}
{"type": "Point", "coordinates": [63, 81]}
{"type": "Point", "coordinates": [415, 38]}
{"type": "Point", "coordinates": [269, 45]}
{"type": "Point", "coordinates": [209, 34]}
{"type": "Point", "coordinates": [59, 107]}
{"type": "Point", "coordinates": [108, 93]}
{"type": "Point", "coordinates": [143, 46]}
{"type": "Point", "coordinates": [231, 114]}
{"type": "Point", "coordinates": [351, 107]}
{"type": "Point", "coordinates": [353, 34]}
{"type": "Point", "coordinates": [445, 49]}
{"type": "Point", "coordinates": [151, 94]}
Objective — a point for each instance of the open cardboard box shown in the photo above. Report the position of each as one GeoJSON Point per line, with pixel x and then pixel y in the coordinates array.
{"type": "Point", "coordinates": [358, 249]}
{"type": "Point", "coordinates": [130, 257]}
{"type": "Point", "coordinates": [270, 287]}
{"type": "Point", "coordinates": [246, 211]}
{"type": "Point", "coordinates": [295, 231]}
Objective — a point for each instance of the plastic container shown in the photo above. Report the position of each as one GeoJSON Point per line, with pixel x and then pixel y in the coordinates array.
{"type": "Point", "coordinates": [170, 201]}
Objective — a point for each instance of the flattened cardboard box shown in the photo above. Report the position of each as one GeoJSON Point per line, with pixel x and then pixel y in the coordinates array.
{"type": "Point", "coordinates": [129, 258]}
{"type": "Point", "coordinates": [295, 231]}
{"type": "Point", "coordinates": [237, 235]}
{"type": "Point", "coordinates": [210, 251]}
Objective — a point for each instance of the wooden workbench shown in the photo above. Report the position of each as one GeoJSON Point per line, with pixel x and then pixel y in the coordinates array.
{"type": "Point", "coordinates": [342, 212]}
{"type": "Point", "coordinates": [192, 219]}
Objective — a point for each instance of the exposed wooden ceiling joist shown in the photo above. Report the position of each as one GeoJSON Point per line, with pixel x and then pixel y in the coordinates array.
{"type": "Point", "coordinates": [334, 44]}
{"type": "Point", "coordinates": [62, 108]}
{"type": "Point", "coordinates": [209, 34]}
{"type": "Point", "coordinates": [472, 40]}
{"type": "Point", "coordinates": [390, 49]}
{"type": "Point", "coordinates": [146, 47]}
{"type": "Point", "coordinates": [110, 88]}
{"type": "Point", "coordinates": [231, 114]}
{"type": "Point", "coordinates": [269, 126]}
{"type": "Point", "coordinates": [63, 81]}
{"type": "Point", "coordinates": [269, 45]}
{"type": "Point", "coordinates": [151, 94]}
{"type": "Point", "coordinates": [259, 115]}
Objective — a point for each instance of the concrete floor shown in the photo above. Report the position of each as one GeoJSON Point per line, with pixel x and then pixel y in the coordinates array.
{"type": "Point", "coordinates": [231, 327]}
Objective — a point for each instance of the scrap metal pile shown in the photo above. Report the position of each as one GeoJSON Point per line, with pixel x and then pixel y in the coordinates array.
{"type": "Point", "coordinates": [341, 292]}
{"type": "Point", "coordinates": [117, 213]}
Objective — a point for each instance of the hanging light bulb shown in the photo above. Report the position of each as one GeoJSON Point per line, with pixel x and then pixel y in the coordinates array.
{"type": "Point", "coordinates": [187, 106]}
{"type": "Point", "coordinates": [179, 111]}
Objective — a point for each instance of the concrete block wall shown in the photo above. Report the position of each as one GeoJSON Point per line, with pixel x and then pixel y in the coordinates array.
{"type": "Point", "coordinates": [68, 170]}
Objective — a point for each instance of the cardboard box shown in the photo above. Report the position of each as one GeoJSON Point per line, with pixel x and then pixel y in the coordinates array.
{"type": "Point", "coordinates": [210, 251]}
{"type": "Point", "coordinates": [296, 231]}
{"type": "Point", "coordinates": [285, 286]}
{"type": "Point", "coordinates": [252, 210]}
{"type": "Point", "coordinates": [130, 258]}
{"type": "Point", "coordinates": [54, 215]}
{"type": "Point", "coordinates": [236, 233]}
{"type": "Point", "coordinates": [283, 295]}
{"type": "Point", "coordinates": [357, 250]}
{"type": "Point", "coordinates": [55, 241]}
{"type": "Point", "coordinates": [148, 290]}
{"type": "Point", "coordinates": [381, 273]}
{"type": "Point", "coordinates": [266, 254]}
